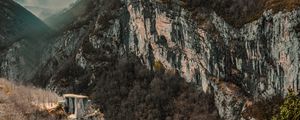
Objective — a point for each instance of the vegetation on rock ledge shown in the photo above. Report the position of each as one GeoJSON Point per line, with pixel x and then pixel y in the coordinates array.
{"type": "Point", "coordinates": [290, 109]}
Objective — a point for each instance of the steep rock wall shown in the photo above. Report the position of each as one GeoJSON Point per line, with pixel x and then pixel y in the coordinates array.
{"type": "Point", "coordinates": [258, 60]}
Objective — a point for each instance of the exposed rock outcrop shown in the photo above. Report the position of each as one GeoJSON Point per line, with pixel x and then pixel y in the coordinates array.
{"type": "Point", "coordinates": [256, 61]}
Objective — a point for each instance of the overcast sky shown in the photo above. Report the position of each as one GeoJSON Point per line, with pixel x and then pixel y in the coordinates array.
{"type": "Point", "coordinates": [45, 8]}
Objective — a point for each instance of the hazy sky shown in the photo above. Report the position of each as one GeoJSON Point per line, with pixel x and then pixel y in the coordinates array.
{"type": "Point", "coordinates": [45, 8]}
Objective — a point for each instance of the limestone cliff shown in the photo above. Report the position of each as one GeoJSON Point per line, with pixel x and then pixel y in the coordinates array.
{"type": "Point", "coordinates": [257, 60]}
{"type": "Point", "coordinates": [238, 65]}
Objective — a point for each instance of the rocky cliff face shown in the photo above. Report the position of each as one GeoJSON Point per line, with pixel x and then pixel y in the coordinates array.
{"type": "Point", "coordinates": [258, 60]}
{"type": "Point", "coordinates": [237, 65]}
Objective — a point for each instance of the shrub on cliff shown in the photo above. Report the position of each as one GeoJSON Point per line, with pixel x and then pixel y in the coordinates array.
{"type": "Point", "coordinates": [264, 109]}
{"type": "Point", "coordinates": [290, 110]}
{"type": "Point", "coordinates": [127, 90]}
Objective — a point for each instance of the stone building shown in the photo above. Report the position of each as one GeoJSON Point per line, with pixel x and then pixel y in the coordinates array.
{"type": "Point", "coordinates": [75, 105]}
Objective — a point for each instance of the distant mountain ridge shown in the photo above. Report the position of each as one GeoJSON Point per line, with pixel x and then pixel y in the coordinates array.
{"type": "Point", "coordinates": [42, 12]}
{"type": "Point", "coordinates": [66, 17]}
{"type": "Point", "coordinates": [22, 41]}
{"type": "Point", "coordinates": [45, 8]}
{"type": "Point", "coordinates": [16, 23]}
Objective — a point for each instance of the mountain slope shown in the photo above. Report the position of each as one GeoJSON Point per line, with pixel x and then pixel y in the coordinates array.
{"type": "Point", "coordinates": [257, 60]}
{"type": "Point", "coordinates": [64, 18]}
{"type": "Point", "coordinates": [238, 12]}
{"type": "Point", "coordinates": [17, 23]}
{"type": "Point", "coordinates": [22, 41]}
{"type": "Point", "coordinates": [159, 59]}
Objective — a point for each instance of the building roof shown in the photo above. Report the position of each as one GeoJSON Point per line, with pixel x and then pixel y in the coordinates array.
{"type": "Point", "coordinates": [74, 96]}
